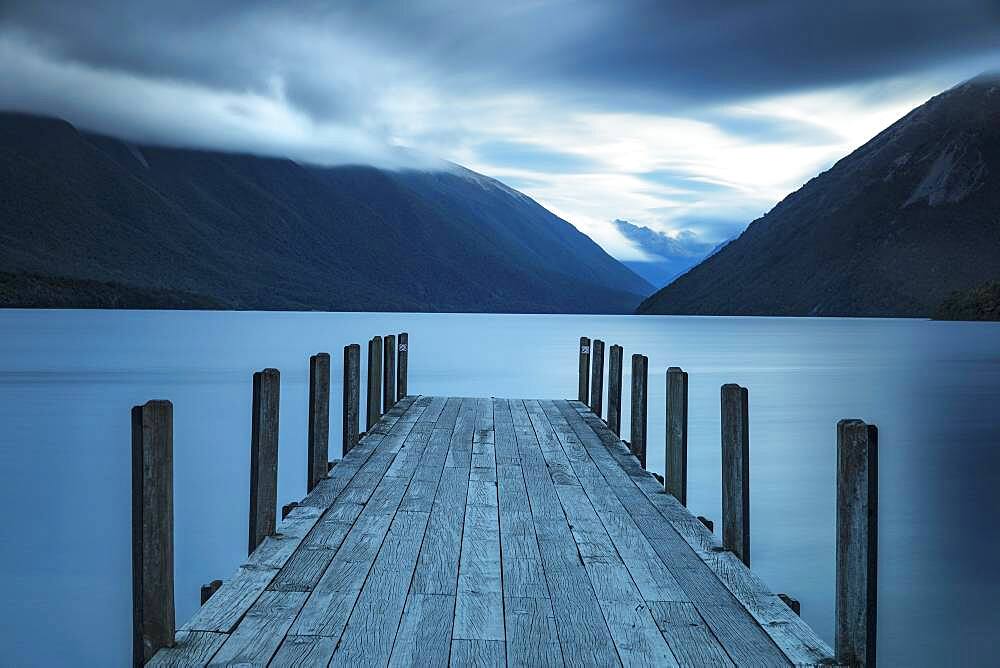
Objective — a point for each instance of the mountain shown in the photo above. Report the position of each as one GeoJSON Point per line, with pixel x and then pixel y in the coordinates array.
{"type": "Point", "coordinates": [981, 303]}
{"type": "Point", "coordinates": [669, 256]}
{"type": "Point", "coordinates": [82, 211]}
{"type": "Point", "coordinates": [891, 230]}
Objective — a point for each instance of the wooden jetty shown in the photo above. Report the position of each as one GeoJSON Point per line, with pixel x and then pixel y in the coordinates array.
{"type": "Point", "coordinates": [490, 531]}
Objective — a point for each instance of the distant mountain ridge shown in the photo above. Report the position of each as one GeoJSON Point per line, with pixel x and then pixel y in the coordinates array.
{"type": "Point", "coordinates": [250, 232]}
{"type": "Point", "coordinates": [669, 257]}
{"type": "Point", "coordinates": [892, 229]}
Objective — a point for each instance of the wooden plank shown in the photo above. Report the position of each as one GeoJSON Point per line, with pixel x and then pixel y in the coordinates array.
{"type": "Point", "coordinates": [152, 529]}
{"type": "Point", "coordinates": [689, 637]}
{"type": "Point", "coordinates": [532, 639]}
{"type": "Point", "coordinates": [304, 651]}
{"type": "Point", "coordinates": [437, 563]}
{"type": "Point", "coordinates": [597, 378]}
{"type": "Point", "coordinates": [615, 389]}
{"type": "Point", "coordinates": [736, 471]}
{"type": "Point", "coordinates": [263, 628]}
{"type": "Point", "coordinates": [796, 640]}
{"type": "Point", "coordinates": [191, 648]}
{"type": "Point", "coordinates": [424, 636]}
{"type": "Point", "coordinates": [318, 438]}
{"type": "Point", "coordinates": [478, 653]}
{"type": "Point", "coordinates": [264, 456]}
{"type": "Point", "coordinates": [368, 638]}
{"type": "Point", "coordinates": [223, 611]}
{"type": "Point", "coordinates": [479, 606]}
{"type": "Point", "coordinates": [857, 542]}
{"type": "Point", "coordinates": [351, 398]}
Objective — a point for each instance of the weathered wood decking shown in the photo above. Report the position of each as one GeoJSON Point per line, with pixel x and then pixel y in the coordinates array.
{"type": "Point", "coordinates": [492, 532]}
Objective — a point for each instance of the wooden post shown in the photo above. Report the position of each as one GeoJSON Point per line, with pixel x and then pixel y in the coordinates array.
{"type": "Point", "coordinates": [152, 529]}
{"type": "Point", "coordinates": [583, 395]}
{"type": "Point", "coordinates": [597, 379]}
{"type": "Point", "coordinates": [640, 385]}
{"type": "Point", "coordinates": [264, 456]}
{"type": "Point", "coordinates": [736, 471]}
{"type": "Point", "coordinates": [352, 396]}
{"type": "Point", "coordinates": [675, 476]}
{"type": "Point", "coordinates": [389, 373]}
{"type": "Point", "coordinates": [374, 381]}
{"type": "Point", "coordinates": [209, 589]}
{"type": "Point", "coordinates": [402, 360]}
{"type": "Point", "coordinates": [857, 542]}
{"type": "Point", "coordinates": [319, 419]}
{"type": "Point", "coordinates": [615, 390]}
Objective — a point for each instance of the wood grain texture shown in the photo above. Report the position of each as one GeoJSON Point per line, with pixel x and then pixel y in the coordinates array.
{"type": "Point", "coordinates": [857, 542]}
{"type": "Point", "coordinates": [264, 456]}
{"type": "Point", "coordinates": [191, 648]}
{"type": "Point", "coordinates": [402, 365]}
{"type": "Point", "coordinates": [388, 371]}
{"type": "Point", "coordinates": [263, 628]}
{"type": "Point", "coordinates": [374, 392]}
{"type": "Point", "coordinates": [675, 475]}
{"type": "Point", "coordinates": [583, 393]}
{"type": "Point", "coordinates": [318, 437]}
{"type": "Point", "coordinates": [352, 397]}
{"type": "Point", "coordinates": [639, 407]}
{"type": "Point", "coordinates": [597, 378]}
{"type": "Point", "coordinates": [615, 354]}
{"type": "Point", "coordinates": [152, 529]}
{"type": "Point", "coordinates": [736, 471]}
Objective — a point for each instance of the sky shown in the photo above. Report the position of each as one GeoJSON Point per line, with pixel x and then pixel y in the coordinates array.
{"type": "Point", "coordinates": [691, 118]}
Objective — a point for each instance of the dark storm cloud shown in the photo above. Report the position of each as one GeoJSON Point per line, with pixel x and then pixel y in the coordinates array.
{"type": "Point", "coordinates": [606, 53]}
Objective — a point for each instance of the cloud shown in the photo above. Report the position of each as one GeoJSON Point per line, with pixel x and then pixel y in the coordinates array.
{"type": "Point", "coordinates": [677, 116]}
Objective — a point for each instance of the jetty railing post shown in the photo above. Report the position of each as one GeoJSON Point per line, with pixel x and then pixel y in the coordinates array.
{"type": "Point", "coordinates": [640, 386]}
{"type": "Point", "coordinates": [153, 622]}
{"type": "Point", "coordinates": [857, 542]}
{"type": "Point", "coordinates": [583, 395]}
{"type": "Point", "coordinates": [319, 419]}
{"type": "Point", "coordinates": [597, 379]}
{"type": "Point", "coordinates": [402, 361]}
{"type": "Point", "coordinates": [352, 396]}
{"type": "Point", "coordinates": [374, 397]}
{"type": "Point", "coordinates": [389, 372]}
{"type": "Point", "coordinates": [736, 471]}
{"type": "Point", "coordinates": [675, 476]}
{"type": "Point", "coordinates": [264, 456]}
{"type": "Point", "coordinates": [615, 390]}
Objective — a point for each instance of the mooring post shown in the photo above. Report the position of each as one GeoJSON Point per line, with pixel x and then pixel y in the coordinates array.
{"type": "Point", "coordinates": [640, 385]}
{"type": "Point", "coordinates": [152, 529]}
{"type": "Point", "coordinates": [352, 396]}
{"type": "Point", "coordinates": [402, 362]}
{"type": "Point", "coordinates": [374, 398]}
{"type": "Point", "coordinates": [597, 379]}
{"type": "Point", "coordinates": [209, 589]}
{"type": "Point", "coordinates": [736, 471]}
{"type": "Point", "coordinates": [319, 419]}
{"type": "Point", "coordinates": [389, 373]}
{"type": "Point", "coordinates": [615, 390]}
{"type": "Point", "coordinates": [857, 542]}
{"type": "Point", "coordinates": [675, 477]}
{"type": "Point", "coordinates": [264, 456]}
{"type": "Point", "coordinates": [583, 395]}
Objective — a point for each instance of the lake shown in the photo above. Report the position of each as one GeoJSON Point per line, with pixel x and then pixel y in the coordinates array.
{"type": "Point", "coordinates": [69, 378]}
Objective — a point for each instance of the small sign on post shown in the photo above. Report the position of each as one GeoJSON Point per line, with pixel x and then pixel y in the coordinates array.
{"type": "Point", "coordinates": [402, 360]}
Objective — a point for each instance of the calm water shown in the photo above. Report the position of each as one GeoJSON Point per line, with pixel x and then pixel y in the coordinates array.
{"type": "Point", "coordinates": [68, 379]}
